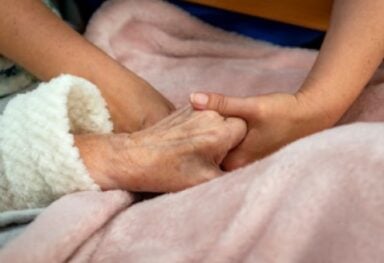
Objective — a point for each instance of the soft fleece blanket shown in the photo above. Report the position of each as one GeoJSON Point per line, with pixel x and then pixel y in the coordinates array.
{"type": "Point", "coordinates": [320, 199]}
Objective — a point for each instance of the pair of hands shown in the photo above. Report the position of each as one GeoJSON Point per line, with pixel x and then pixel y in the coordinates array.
{"type": "Point", "coordinates": [163, 152]}
{"type": "Point", "coordinates": [182, 150]}
{"type": "Point", "coordinates": [273, 121]}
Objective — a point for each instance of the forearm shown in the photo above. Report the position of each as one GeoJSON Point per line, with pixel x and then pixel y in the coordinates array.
{"type": "Point", "coordinates": [352, 51]}
{"type": "Point", "coordinates": [32, 36]}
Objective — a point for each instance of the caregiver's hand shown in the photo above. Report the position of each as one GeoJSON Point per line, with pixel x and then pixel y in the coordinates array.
{"type": "Point", "coordinates": [273, 121]}
{"type": "Point", "coordinates": [182, 150]}
{"type": "Point", "coordinates": [350, 54]}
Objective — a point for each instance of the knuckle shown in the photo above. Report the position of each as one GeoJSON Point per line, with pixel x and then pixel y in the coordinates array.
{"type": "Point", "coordinates": [259, 110]}
{"type": "Point", "coordinates": [210, 114]}
{"type": "Point", "coordinates": [212, 142]}
{"type": "Point", "coordinates": [214, 136]}
{"type": "Point", "coordinates": [221, 103]}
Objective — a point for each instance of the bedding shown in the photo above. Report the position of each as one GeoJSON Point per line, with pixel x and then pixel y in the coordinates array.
{"type": "Point", "coordinates": [319, 199]}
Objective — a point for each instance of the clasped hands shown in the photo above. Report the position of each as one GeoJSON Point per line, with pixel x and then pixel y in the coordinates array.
{"type": "Point", "coordinates": [192, 146]}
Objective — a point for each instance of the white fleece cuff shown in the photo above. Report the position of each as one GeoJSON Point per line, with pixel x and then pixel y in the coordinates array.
{"type": "Point", "coordinates": [40, 160]}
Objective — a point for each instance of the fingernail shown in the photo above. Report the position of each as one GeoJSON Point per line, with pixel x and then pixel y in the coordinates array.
{"type": "Point", "coordinates": [199, 98]}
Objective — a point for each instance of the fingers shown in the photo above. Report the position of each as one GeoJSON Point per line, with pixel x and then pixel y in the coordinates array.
{"type": "Point", "coordinates": [235, 159]}
{"type": "Point", "coordinates": [237, 129]}
{"type": "Point", "coordinates": [232, 131]}
{"type": "Point", "coordinates": [225, 105]}
{"type": "Point", "coordinates": [210, 173]}
{"type": "Point", "coordinates": [175, 118]}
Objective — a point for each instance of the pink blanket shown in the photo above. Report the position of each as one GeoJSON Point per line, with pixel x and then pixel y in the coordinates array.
{"type": "Point", "coordinates": [320, 199]}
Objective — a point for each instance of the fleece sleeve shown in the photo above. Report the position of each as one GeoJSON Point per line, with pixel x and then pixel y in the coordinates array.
{"type": "Point", "coordinates": [38, 159]}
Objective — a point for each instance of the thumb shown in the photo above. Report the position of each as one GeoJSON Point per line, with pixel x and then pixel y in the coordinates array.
{"type": "Point", "coordinates": [225, 105]}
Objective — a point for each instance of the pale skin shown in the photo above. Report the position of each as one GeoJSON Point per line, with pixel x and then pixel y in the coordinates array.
{"type": "Point", "coordinates": [34, 38]}
{"type": "Point", "coordinates": [351, 52]}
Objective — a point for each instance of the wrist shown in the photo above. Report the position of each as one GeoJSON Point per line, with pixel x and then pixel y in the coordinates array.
{"type": "Point", "coordinates": [317, 109]}
{"type": "Point", "coordinates": [100, 158]}
{"type": "Point", "coordinates": [132, 102]}
{"type": "Point", "coordinates": [126, 111]}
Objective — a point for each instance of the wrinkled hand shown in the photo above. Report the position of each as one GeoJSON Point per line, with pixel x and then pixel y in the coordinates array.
{"type": "Point", "coordinates": [182, 150]}
{"type": "Point", "coordinates": [273, 120]}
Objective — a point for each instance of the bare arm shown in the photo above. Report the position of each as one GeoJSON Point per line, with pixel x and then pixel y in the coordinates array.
{"type": "Point", "coordinates": [351, 52]}
{"type": "Point", "coordinates": [32, 36]}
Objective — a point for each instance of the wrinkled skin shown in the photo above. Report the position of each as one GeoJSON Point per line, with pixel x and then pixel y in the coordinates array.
{"type": "Point", "coordinates": [182, 150]}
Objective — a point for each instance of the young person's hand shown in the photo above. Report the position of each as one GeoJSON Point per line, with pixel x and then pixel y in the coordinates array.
{"type": "Point", "coordinates": [273, 120]}
{"type": "Point", "coordinates": [351, 52]}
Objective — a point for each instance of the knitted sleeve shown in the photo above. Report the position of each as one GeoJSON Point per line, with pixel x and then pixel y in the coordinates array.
{"type": "Point", "coordinates": [38, 159]}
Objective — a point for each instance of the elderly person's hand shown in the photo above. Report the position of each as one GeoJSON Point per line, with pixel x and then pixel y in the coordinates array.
{"type": "Point", "coordinates": [182, 150]}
